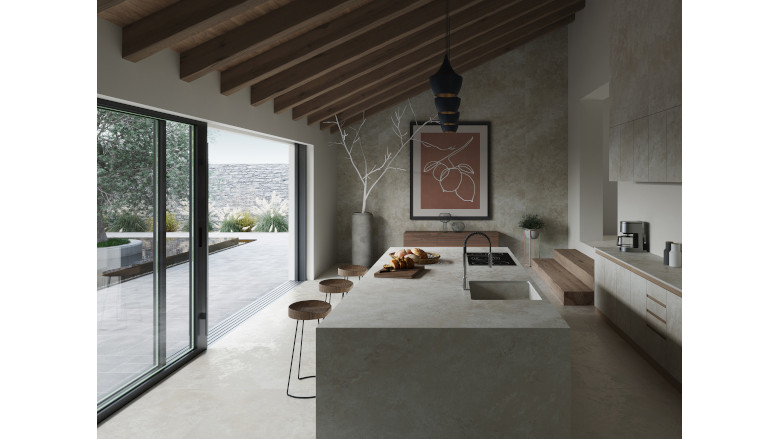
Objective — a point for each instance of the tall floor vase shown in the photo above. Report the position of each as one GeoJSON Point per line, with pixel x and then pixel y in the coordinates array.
{"type": "Point", "coordinates": [361, 239]}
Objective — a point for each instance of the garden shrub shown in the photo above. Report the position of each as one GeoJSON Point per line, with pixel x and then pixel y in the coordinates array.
{"type": "Point", "coordinates": [243, 221]}
{"type": "Point", "coordinates": [171, 223]}
{"type": "Point", "coordinates": [272, 221]}
{"type": "Point", "coordinates": [127, 222]}
{"type": "Point", "coordinates": [111, 242]}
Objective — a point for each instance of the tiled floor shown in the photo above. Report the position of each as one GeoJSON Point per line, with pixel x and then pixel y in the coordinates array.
{"type": "Point", "coordinates": [237, 388]}
{"type": "Point", "coordinates": [125, 324]}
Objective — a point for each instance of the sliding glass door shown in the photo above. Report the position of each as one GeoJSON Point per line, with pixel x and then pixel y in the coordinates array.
{"type": "Point", "coordinates": [151, 264]}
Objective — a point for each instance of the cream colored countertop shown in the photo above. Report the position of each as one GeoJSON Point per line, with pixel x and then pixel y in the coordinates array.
{"type": "Point", "coordinates": [649, 264]}
{"type": "Point", "coordinates": [436, 299]}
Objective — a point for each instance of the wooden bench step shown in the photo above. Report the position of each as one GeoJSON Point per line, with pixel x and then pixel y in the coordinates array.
{"type": "Point", "coordinates": [576, 263]}
{"type": "Point", "coordinates": [566, 286]}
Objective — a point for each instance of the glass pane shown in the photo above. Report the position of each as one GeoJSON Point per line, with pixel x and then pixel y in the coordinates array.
{"type": "Point", "coordinates": [125, 291]}
{"type": "Point", "coordinates": [177, 226]}
{"type": "Point", "coordinates": [249, 243]}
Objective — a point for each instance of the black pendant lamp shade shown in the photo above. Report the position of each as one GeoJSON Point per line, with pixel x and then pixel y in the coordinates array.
{"type": "Point", "coordinates": [446, 86]}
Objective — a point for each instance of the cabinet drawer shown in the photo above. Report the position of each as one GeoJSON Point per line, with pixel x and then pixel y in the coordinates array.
{"type": "Point", "coordinates": [656, 324]}
{"type": "Point", "coordinates": [656, 308]}
{"type": "Point", "coordinates": [657, 293]}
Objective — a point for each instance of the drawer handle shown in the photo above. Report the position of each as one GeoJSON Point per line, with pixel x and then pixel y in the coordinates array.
{"type": "Point", "coordinates": [653, 314]}
{"type": "Point", "coordinates": [655, 330]}
{"type": "Point", "coordinates": [656, 300]}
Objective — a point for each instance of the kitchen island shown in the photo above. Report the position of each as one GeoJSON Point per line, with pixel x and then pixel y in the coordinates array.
{"type": "Point", "coordinates": [419, 358]}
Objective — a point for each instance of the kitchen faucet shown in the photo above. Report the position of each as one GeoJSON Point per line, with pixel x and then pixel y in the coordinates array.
{"type": "Point", "coordinates": [490, 255]}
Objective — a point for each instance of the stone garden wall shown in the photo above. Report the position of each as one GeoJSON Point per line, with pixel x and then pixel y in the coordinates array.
{"type": "Point", "coordinates": [237, 186]}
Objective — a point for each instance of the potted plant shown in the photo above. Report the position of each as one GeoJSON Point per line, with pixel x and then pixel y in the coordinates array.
{"type": "Point", "coordinates": [532, 223]}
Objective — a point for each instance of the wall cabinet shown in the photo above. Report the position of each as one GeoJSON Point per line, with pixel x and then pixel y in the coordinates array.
{"type": "Point", "coordinates": [650, 315]}
{"type": "Point", "coordinates": [648, 149]}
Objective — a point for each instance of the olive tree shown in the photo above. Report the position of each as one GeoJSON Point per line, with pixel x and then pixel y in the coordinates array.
{"type": "Point", "coordinates": [125, 166]}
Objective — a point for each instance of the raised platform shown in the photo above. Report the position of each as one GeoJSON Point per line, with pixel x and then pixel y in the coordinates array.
{"type": "Point", "coordinates": [569, 274]}
{"type": "Point", "coordinates": [576, 263]}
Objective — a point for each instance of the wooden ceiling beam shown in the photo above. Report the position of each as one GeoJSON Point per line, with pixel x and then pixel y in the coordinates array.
{"type": "Point", "coordinates": [352, 78]}
{"type": "Point", "coordinates": [422, 86]}
{"type": "Point", "coordinates": [466, 60]}
{"type": "Point", "coordinates": [314, 42]}
{"type": "Point", "coordinates": [103, 5]}
{"type": "Point", "coordinates": [176, 23]}
{"type": "Point", "coordinates": [421, 24]}
{"type": "Point", "coordinates": [258, 35]}
{"type": "Point", "coordinates": [481, 34]}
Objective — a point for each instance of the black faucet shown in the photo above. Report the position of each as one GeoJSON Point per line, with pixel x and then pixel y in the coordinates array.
{"type": "Point", "coordinates": [490, 255]}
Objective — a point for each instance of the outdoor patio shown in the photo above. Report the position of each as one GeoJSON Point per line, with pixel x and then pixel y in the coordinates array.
{"type": "Point", "coordinates": [125, 326]}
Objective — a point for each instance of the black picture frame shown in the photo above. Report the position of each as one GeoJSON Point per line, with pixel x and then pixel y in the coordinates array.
{"type": "Point", "coordinates": [420, 185]}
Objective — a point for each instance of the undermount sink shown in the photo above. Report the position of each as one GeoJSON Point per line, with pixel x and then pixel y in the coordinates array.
{"type": "Point", "coordinates": [502, 290]}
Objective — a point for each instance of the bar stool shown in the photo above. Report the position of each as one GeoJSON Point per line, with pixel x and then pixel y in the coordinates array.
{"type": "Point", "coordinates": [352, 270]}
{"type": "Point", "coordinates": [335, 286]}
{"type": "Point", "coordinates": [302, 311]}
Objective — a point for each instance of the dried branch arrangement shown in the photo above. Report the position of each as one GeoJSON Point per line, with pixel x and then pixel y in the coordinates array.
{"type": "Point", "coordinates": [371, 174]}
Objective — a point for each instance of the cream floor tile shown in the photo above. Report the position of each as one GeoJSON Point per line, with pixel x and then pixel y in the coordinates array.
{"type": "Point", "coordinates": [237, 388]}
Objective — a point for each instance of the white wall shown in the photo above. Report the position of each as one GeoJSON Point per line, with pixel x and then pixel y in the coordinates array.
{"type": "Point", "coordinates": [588, 105]}
{"type": "Point", "coordinates": [154, 83]}
{"type": "Point", "coordinates": [589, 71]}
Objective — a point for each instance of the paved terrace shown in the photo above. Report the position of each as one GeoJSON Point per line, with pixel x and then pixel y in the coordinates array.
{"type": "Point", "coordinates": [237, 277]}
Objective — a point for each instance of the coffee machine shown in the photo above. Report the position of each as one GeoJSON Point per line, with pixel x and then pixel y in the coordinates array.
{"type": "Point", "coordinates": [633, 236]}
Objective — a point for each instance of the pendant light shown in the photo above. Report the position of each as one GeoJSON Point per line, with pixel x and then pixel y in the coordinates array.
{"type": "Point", "coordinates": [446, 86]}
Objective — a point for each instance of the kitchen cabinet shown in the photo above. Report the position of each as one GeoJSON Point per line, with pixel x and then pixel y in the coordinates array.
{"type": "Point", "coordinates": [674, 334]}
{"type": "Point", "coordinates": [647, 149]}
{"type": "Point", "coordinates": [622, 294]}
{"type": "Point", "coordinates": [604, 281]}
{"type": "Point", "coordinates": [646, 312]}
{"type": "Point", "coordinates": [638, 305]}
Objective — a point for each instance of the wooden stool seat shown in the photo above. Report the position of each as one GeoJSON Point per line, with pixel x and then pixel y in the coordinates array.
{"type": "Point", "coordinates": [334, 286]}
{"type": "Point", "coordinates": [302, 311]}
{"type": "Point", "coordinates": [352, 270]}
{"type": "Point", "coordinates": [309, 310]}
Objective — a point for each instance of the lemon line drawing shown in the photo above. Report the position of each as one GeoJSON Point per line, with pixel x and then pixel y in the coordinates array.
{"type": "Point", "coordinates": [461, 182]}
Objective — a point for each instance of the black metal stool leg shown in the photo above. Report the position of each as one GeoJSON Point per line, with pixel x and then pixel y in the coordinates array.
{"type": "Point", "coordinates": [292, 357]}
{"type": "Point", "coordinates": [300, 354]}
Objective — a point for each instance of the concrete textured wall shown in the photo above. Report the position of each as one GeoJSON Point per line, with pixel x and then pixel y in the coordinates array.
{"type": "Point", "coordinates": [523, 94]}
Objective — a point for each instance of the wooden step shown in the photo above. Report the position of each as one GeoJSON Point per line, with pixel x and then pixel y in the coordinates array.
{"type": "Point", "coordinates": [566, 286]}
{"type": "Point", "coordinates": [576, 263]}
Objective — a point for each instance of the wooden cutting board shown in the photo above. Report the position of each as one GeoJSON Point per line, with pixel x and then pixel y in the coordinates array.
{"type": "Point", "coordinates": [407, 273]}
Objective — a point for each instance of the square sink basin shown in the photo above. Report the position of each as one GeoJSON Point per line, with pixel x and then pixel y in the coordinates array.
{"type": "Point", "coordinates": [502, 290]}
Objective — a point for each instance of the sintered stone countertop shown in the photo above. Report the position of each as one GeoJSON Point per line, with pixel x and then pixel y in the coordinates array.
{"type": "Point", "coordinates": [436, 298]}
{"type": "Point", "coordinates": [648, 263]}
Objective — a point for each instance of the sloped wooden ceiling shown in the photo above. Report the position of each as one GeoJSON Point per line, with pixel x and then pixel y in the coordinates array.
{"type": "Point", "coordinates": [322, 58]}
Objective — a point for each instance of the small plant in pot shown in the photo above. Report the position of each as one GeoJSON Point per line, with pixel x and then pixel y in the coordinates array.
{"type": "Point", "coordinates": [532, 223]}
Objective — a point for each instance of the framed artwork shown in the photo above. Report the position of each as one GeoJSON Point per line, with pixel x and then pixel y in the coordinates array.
{"type": "Point", "coordinates": [450, 172]}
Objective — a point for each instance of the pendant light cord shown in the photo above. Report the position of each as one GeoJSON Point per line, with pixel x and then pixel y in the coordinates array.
{"type": "Point", "coordinates": [447, 14]}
